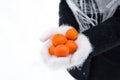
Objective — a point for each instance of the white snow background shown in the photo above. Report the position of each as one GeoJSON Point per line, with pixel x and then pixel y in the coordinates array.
{"type": "Point", "coordinates": [21, 24]}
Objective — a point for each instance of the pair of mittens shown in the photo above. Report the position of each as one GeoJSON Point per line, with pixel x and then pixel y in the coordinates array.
{"type": "Point", "coordinates": [70, 59]}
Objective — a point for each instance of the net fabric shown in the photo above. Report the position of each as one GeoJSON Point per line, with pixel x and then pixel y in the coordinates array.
{"type": "Point", "coordinates": [90, 13]}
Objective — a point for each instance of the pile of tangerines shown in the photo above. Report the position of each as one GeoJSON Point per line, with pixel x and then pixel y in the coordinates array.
{"type": "Point", "coordinates": [64, 45]}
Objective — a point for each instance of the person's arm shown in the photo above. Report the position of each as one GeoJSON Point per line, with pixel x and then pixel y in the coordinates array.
{"type": "Point", "coordinates": [103, 37]}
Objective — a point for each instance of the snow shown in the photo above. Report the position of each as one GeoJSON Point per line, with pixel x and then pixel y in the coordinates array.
{"type": "Point", "coordinates": [21, 24]}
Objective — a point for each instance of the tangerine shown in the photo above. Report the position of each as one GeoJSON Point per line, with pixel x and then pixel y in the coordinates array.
{"type": "Point", "coordinates": [71, 34]}
{"type": "Point", "coordinates": [71, 45]}
{"type": "Point", "coordinates": [58, 39]}
{"type": "Point", "coordinates": [51, 50]}
{"type": "Point", "coordinates": [61, 51]}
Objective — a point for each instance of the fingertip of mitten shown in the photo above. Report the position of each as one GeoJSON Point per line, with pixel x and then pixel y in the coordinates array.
{"type": "Point", "coordinates": [47, 34]}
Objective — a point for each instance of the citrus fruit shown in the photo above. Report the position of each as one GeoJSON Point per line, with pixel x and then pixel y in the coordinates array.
{"type": "Point", "coordinates": [71, 34]}
{"type": "Point", "coordinates": [58, 39]}
{"type": "Point", "coordinates": [61, 51]}
{"type": "Point", "coordinates": [51, 50]}
{"type": "Point", "coordinates": [71, 45]}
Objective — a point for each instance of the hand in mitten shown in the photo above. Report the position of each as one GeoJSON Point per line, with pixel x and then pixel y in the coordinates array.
{"type": "Point", "coordinates": [69, 49]}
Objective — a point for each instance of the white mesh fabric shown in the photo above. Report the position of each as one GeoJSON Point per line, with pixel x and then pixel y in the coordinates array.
{"type": "Point", "coordinates": [107, 8]}
{"type": "Point", "coordinates": [92, 12]}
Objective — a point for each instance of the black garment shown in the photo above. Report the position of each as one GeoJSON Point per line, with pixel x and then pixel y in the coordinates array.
{"type": "Point", "coordinates": [103, 62]}
{"type": "Point", "coordinates": [66, 15]}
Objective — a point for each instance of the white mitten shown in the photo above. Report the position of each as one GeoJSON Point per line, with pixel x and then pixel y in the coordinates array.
{"type": "Point", "coordinates": [76, 59]}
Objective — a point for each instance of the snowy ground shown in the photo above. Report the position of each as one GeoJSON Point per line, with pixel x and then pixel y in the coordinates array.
{"type": "Point", "coordinates": [21, 24]}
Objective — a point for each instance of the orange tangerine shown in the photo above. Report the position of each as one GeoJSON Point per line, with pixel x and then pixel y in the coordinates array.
{"type": "Point", "coordinates": [58, 39]}
{"type": "Point", "coordinates": [72, 46]}
{"type": "Point", "coordinates": [71, 34]}
{"type": "Point", "coordinates": [61, 51]}
{"type": "Point", "coordinates": [51, 50]}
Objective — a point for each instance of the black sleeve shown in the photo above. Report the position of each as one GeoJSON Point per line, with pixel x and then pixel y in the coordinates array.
{"type": "Point", "coordinates": [66, 16]}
